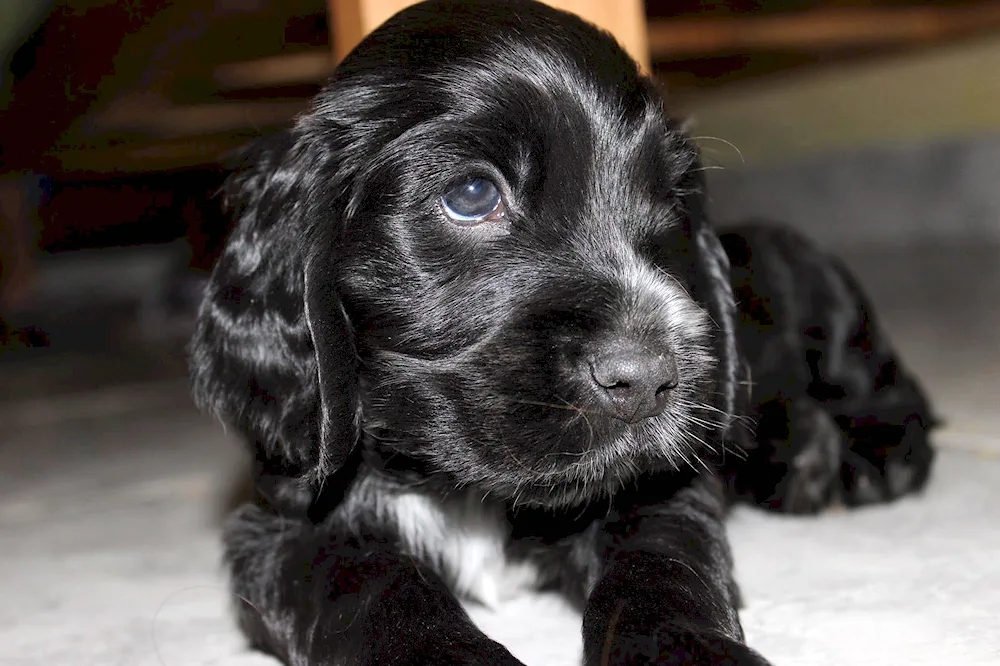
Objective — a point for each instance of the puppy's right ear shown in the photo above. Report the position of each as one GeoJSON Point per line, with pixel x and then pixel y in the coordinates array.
{"type": "Point", "coordinates": [273, 351]}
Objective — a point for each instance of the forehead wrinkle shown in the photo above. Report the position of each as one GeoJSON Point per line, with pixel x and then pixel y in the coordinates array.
{"type": "Point", "coordinates": [519, 105]}
{"type": "Point", "coordinates": [539, 67]}
{"type": "Point", "coordinates": [513, 72]}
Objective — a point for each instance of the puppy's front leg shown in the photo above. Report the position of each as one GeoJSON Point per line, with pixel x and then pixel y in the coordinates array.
{"type": "Point", "coordinates": [318, 595]}
{"type": "Point", "coordinates": [667, 594]}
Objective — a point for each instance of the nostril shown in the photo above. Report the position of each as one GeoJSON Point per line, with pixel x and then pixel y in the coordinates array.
{"type": "Point", "coordinates": [614, 371]}
{"type": "Point", "coordinates": [667, 374]}
{"type": "Point", "coordinates": [604, 381]}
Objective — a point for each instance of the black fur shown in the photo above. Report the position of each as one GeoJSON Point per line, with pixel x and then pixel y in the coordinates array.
{"type": "Point", "coordinates": [837, 417]}
{"type": "Point", "coordinates": [410, 384]}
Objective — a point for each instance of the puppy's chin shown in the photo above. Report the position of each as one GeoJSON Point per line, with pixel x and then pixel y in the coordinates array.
{"type": "Point", "coordinates": [534, 455]}
{"type": "Point", "coordinates": [613, 459]}
{"type": "Point", "coordinates": [599, 471]}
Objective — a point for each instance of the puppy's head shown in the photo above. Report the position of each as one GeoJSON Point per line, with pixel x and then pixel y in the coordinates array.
{"type": "Point", "coordinates": [484, 248]}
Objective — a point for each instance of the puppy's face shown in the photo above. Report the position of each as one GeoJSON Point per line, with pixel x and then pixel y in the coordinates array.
{"type": "Point", "coordinates": [482, 248]}
{"type": "Point", "coordinates": [514, 260]}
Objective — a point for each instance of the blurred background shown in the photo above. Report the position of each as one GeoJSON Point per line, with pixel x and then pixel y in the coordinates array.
{"type": "Point", "coordinates": [871, 125]}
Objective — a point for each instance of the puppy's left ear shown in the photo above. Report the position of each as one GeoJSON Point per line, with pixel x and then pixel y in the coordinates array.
{"type": "Point", "coordinates": [713, 289]}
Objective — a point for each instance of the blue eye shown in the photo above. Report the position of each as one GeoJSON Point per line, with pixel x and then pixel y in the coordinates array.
{"type": "Point", "coordinates": [472, 202]}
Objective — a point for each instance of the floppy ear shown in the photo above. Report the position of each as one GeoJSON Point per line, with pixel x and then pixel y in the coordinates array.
{"type": "Point", "coordinates": [713, 289]}
{"type": "Point", "coordinates": [273, 352]}
{"type": "Point", "coordinates": [336, 365]}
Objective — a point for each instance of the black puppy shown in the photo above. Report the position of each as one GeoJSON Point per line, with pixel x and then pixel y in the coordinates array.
{"type": "Point", "coordinates": [482, 338]}
{"type": "Point", "coordinates": [836, 416]}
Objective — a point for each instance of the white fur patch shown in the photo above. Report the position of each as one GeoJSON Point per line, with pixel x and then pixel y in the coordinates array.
{"type": "Point", "coordinates": [463, 538]}
{"type": "Point", "coordinates": [669, 297]}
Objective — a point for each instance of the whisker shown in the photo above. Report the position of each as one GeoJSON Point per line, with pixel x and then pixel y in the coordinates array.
{"type": "Point", "coordinates": [721, 140]}
{"type": "Point", "coordinates": [582, 413]}
{"type": "Point", "coordinates": [538, 403]}
{"type": "Point", "coordinates": [708, 425]}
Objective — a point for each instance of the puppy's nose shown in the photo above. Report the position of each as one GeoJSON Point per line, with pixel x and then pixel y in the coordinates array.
{"type": "Point", "coordinates": [631, 381]}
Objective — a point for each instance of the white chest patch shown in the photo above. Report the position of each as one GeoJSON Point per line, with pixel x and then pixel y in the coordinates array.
{"type": "Point", "coordinates": [462, 537]}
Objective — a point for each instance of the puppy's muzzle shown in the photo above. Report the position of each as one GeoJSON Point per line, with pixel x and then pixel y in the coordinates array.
{"type": "Point", "coordinates": [631, 382]}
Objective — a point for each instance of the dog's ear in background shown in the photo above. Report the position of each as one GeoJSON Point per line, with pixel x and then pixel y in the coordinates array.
{"type": "Point", "coordinates": [713, 290]}
{"type": "Point", "coordinates": [273, 352]}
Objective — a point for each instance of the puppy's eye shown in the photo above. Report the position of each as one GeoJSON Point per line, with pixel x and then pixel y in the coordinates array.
{"type": "Point", "coordinates": [473, 202]}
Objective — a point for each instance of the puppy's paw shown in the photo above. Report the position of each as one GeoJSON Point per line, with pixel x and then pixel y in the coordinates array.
{"type": "Point", "coordinates": [677, 648]}
{"type": "Point", "coordinates": [796, 465]}
{"type": "Point", "coordinates": [885, 462]}
{"type": "Point", "coordinates": [816, 447]}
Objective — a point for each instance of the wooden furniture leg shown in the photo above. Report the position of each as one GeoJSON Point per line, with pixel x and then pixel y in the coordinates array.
{"type": "Point", "coordinates": [17, 243]}
{"type": "Point", "coordinates": [351, 20]}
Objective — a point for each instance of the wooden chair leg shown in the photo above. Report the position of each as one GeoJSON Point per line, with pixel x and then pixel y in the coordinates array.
{"type": "Point", "coordinates": [351, 20]}
{"type": "Point", "coordinates": [17, 243]}
{"type": "Point", "coordinates": [625, 19]}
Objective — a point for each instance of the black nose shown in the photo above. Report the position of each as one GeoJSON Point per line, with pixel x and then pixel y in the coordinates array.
{"type": "Point", "coordinates": [632, 381]}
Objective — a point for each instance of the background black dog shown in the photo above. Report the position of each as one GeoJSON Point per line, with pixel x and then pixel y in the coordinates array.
{"type": "Point", "coordinates": [836, 417]}
{"type": "Point", "coordinates": [482, 338]}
